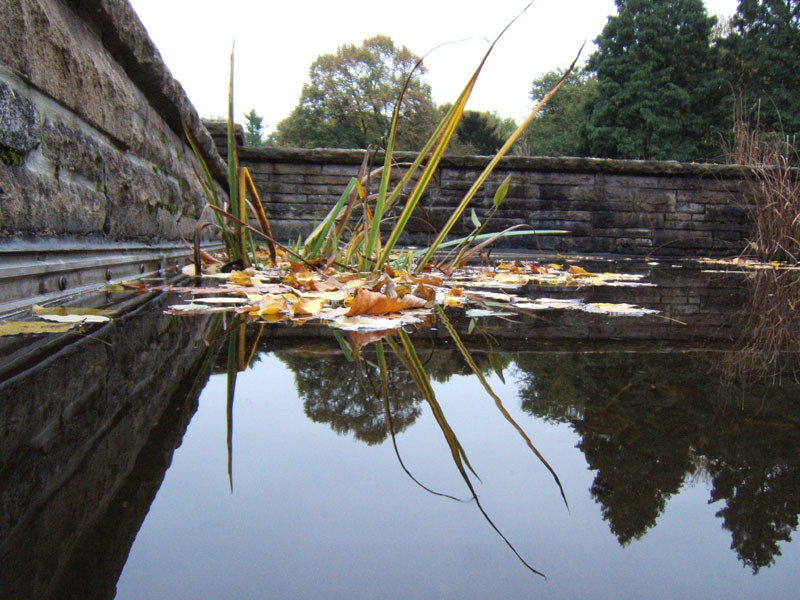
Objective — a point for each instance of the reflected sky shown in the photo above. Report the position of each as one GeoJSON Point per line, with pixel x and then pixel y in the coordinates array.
{"type": "Point", "coordinates": [315, 513]}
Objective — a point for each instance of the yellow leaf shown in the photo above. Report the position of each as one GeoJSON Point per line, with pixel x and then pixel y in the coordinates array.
{"type": "Point", "coordinates": [336, 296]}
{"type": "Point", "coordinates": [29, 327]}
{"type": "Point", "coordinates": [272, 304]}
{"type": "Point", "coordinates": [307, 306]}
{"type": "Point", "coordinates": [510, 279]}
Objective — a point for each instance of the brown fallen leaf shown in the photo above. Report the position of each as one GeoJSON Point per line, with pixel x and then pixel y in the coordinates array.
{"type": "Point", "coordinates": [573, 270]}
{"type": "Point", "coordinates": [373, 303]}
{"type": "Point", "coordinates": [326, 285]}
{"type": "Point", "coordinates": [207, 259]}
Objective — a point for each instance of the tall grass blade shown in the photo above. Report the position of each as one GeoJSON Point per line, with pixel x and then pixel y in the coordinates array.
{"type": "Point", "coordinates": [210, 190]}
{"type": "Point", "coordinates": [499, 403]}
{"type": "Point", "coordinates": [456, 214]}
{"type": "Point", "coordinates": [236, 201]}
{"type": "Point", "coordinates": [450, 123]}
{"type": "Point", "coordinates": [315, 240]}
{"type": "Point", "coordinates": [258, 209]}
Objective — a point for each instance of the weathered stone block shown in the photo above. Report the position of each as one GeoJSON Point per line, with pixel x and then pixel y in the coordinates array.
{"type": "Point", "coordinates": [20, 124]}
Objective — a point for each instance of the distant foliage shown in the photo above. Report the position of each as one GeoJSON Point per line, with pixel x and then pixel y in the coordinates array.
{"type": "Point", "coordinates": [253, 128]}
{"type": "Point", "coordinates": [762, 62]}
{"type": "Point", "coordinates": [556, 131]}
{"type": "Point", "coordinates": [659, 89]}
{"type": "Point", "coordinates": [350, 96]}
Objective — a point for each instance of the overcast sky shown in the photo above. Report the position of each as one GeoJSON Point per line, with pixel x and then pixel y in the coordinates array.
{"type": "Point", "coordinates": [276, 42]}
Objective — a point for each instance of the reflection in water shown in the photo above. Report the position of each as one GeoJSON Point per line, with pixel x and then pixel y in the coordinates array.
{"type": "Point", "coordinates": [650, 421]}
{"type": "Point", "coordinates": [347, 395]}
{"type": "Point", "coordinates": [87, 436]}
{"type": "Point", "coordinates": [770, 342]}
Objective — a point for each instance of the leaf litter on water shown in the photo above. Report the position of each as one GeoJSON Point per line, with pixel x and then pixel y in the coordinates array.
{"type": "Point", "coordinates": [395, 298]}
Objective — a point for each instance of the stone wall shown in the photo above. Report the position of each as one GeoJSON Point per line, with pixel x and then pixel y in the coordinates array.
{"type": "Point", "coordinates": [608, 207]}
{"type": "Point", "coordinates": [92, 150]}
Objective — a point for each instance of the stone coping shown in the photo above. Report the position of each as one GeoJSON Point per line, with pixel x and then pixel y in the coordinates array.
{"type": "Point", "coordinates": [127, 40]}
{"type": "Point", "coordinates": [534, 163]}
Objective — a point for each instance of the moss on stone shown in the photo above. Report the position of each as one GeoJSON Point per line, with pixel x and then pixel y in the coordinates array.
{"type": "Point", "coordinates": [10, 157]}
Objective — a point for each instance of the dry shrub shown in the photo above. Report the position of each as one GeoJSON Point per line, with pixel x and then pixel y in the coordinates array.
{"type": "Point", "coordinates": [769, 162]}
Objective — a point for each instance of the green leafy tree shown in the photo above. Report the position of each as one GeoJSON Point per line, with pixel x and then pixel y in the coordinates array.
{"type": "Point", "coordinates": [350, 96]}
{"type": "Point", "coordinates": [556, 130]}
{"type": "Point", "coordinates": [252, 128]}
{"type": "Point", "coordinates": [659, 90]}
{"type": "Point", "coordinates": [763, 61]}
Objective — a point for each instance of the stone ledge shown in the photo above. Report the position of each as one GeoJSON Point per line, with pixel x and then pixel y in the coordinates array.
{"type": "Point", "coordinates": [327, 156]}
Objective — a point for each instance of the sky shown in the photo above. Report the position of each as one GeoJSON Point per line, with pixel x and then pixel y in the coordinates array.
{"type": "Point", "coordinates": [277, 40]}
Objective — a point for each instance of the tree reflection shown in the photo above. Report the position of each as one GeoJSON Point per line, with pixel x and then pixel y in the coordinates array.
{"type": "Point", "coordinates": [347, 395]}
{"type": "Point", "coordinates": [649, 420]}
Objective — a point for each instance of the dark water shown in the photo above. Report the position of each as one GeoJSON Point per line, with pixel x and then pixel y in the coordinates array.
{"type": "Point", "coordinates": [683, 480]}
{"type": "Point", "coordinates": [664, 483]}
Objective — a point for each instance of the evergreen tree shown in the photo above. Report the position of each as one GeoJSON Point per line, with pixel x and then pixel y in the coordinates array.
{"type": "Point", "coordinates": [556, 130]}
{"type": "Point", "coordinates": [478, 130]}
{"type": "Point", "coordinates": [658, 87]}
{"type": "Point", "coordinates": [252, 128]}
{"type": "Point", "coordinates": [763, 61]}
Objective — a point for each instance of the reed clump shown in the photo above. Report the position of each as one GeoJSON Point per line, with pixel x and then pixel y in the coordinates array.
{"type": "Point", "coordinates": [350, 236]}
{"type": "Point", "coordinates": [769, 162]}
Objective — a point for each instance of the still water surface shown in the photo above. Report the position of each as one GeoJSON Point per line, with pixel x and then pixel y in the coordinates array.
{"type": "Point", "coordinates": [318, 514]}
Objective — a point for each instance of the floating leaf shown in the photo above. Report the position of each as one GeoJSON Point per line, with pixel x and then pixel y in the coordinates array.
{"type": "Point", "coordinates": [222, 300]}
{"type": "Point", "coordinates": [306, 306]}
{"type": "Point", "coordinates": [8, 328]}
{"type": "Point", "coordinates": [373, 303]}
{"type": "Point", "coordinates": [618, 309]}
{"type": "Point", "coordinates": [374, 323]}
{"type": "Point", "coordinates": [475, 313]}
{"type": "Point", "coordinates": [75, 319]}
{"type": "Point", "coordinates": [70, 310]}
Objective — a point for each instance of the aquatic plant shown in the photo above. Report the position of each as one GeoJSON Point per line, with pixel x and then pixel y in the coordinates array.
{"type": "Point", "coordinates": [350, 236]}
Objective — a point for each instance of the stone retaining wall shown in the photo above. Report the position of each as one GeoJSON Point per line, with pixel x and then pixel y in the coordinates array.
{"type": "Point", "coordinates": [91, 128]}
{"type": "Point", "coordinates": [609, 207]}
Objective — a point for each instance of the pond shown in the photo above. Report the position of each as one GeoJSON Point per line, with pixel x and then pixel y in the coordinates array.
{"type": "Point", "coordinates": [129, 472]}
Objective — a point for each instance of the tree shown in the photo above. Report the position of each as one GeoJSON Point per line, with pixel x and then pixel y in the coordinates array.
{"type": "Point", "coordinates": [350, 96]}
{"type": "Point", "coordinates": [763, 60]}
{"type": "Point", "coordinates": [252, 129]}
{"type": "Point", "coordinates": [478, 132]}
{"type": "Point", "coordinates": [556, 130]}
{"type": "Point", "coordinates": [659, 90]}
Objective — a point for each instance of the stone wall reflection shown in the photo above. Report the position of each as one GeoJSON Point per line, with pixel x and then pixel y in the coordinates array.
{"type": "Point", "coordinates": [87, 437]}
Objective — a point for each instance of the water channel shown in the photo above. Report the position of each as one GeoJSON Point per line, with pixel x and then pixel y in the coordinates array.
{"type": "Point", "coordinates": [128, 472]}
